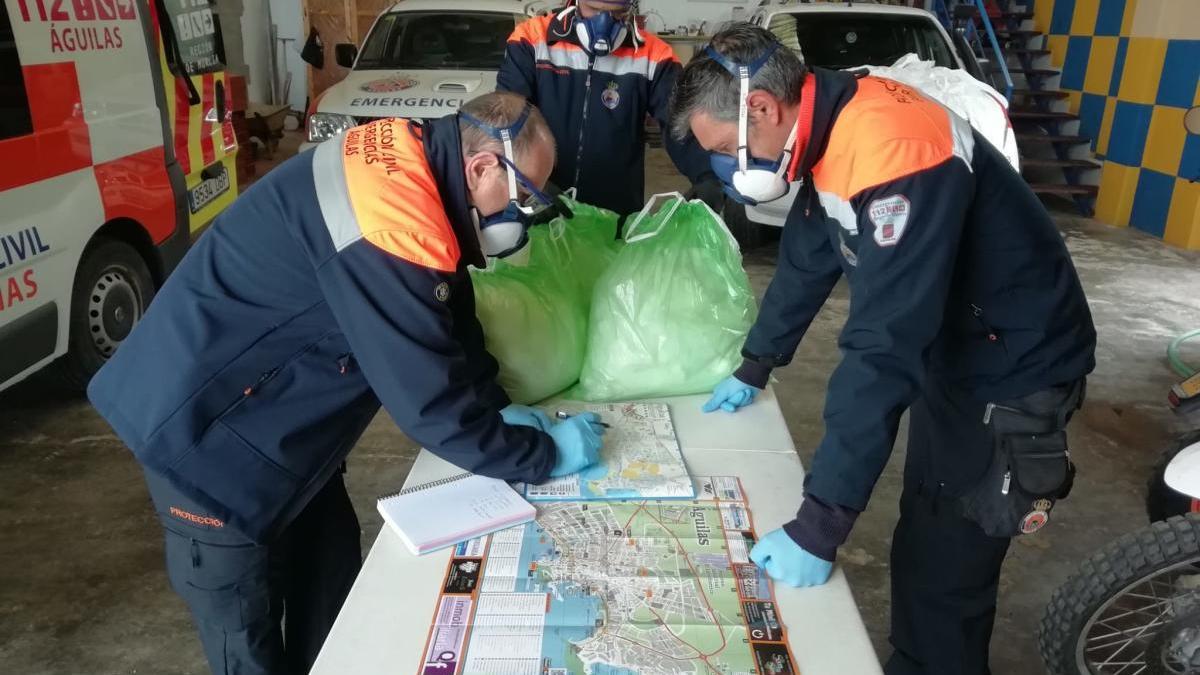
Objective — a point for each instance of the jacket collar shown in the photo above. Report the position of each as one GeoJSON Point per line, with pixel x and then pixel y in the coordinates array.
{"type": "Point", "coordinates": [822, 97]}
{"type": "Point", "coordinates": [443, 151]}
{"type": "Point", "coordinates": [562, 29]}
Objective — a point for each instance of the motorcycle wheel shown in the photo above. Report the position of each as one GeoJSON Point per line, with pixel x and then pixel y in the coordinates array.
{"type": "Point", "coordinates": [1132, 608]}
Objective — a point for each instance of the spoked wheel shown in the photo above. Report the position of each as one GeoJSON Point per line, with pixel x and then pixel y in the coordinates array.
{"type": "Point", "coordinates": [1176, 650]}
{"type": "Point", "coordinates": [112, 291]}
{"type": "Point", "coordinates": [1132, 609]}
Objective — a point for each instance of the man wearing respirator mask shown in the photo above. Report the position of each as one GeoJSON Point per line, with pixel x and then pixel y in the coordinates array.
{"type": "Point", "coordinates": [596, 76]}
{"type": "Point", "coordinates": [964, 305]}
{"type": "Point", "coordinates": [339, 281]}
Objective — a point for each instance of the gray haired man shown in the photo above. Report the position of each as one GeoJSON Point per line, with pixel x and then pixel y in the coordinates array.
{"type": "Point", "coordinates": [965, 310]}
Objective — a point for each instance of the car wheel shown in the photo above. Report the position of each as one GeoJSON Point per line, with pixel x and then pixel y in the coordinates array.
{"type": "Point", "coordinates": [112, 290]}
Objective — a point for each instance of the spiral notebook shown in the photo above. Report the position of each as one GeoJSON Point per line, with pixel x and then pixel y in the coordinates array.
{"type": "Point", "coordinates": [441, 513]}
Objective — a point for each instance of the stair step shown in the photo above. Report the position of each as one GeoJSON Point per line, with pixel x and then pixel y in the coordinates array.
{"type": "Point", "coordinates": [1043, 163]}
{"type": "Point", "coordinates": [1019, 32]}
{"type": "Point", "coordinates": [1040, 93]}
{"type": "Point", "coordinates": [1064, 189]}
{"type": "Point", "coordinates": [1027, 52]}
{"type": "Point", "coordinates": [1036, 72]}
{"type": "Point", "coordinates": [1053, 138]}
{"type": "Point", "coordinates": [1024, 115]}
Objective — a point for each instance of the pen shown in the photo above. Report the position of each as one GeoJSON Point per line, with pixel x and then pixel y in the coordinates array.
{"type": "Point", "coordinates": [563, 414]}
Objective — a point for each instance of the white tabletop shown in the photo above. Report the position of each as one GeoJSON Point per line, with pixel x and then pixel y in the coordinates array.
{"type": "Point", "coordinates": [384, 624]}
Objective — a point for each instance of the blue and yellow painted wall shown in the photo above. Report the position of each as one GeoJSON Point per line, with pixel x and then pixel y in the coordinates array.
{"type": "Point", "coordinates": [1132, 68]}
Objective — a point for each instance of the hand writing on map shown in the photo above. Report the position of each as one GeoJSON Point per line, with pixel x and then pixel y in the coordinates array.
{"type": "Point", "coordinates": [578, 441]}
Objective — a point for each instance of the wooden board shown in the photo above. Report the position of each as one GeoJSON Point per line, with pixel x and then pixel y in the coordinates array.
{"type": "Point", "coordinates": [338, 21]}
{"type": "Point", "coordinates": [329, 17]}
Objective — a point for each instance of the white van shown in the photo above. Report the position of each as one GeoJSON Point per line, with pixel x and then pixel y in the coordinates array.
{"type": "Point", "coordinates": [421, 59]}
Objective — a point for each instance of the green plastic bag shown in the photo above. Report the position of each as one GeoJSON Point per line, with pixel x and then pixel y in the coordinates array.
{"type": "Point", "coordinates": [670, 314]}
{"type": "Point", "coordinates": [580, 248]}
{"type": "Point", "coordinates": [534, 315]}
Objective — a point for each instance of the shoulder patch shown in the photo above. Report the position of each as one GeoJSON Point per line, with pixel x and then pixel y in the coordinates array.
{"type": "Point", "coordinates": [394, 197]}
{"type": "Point", "coordinates": [889, 215]}
{"type": "Point", "coordinates": [657, 49]}
{"type": "Point", "coordinates": [534, 30]}
{"type": "Point", "coordinates": [886, 132]}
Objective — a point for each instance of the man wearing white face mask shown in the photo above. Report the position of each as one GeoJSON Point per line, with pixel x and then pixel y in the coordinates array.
{"type": "Point", "coordinates": [337, 283]}
{"type": "Point", "coordinates": [965, 310]}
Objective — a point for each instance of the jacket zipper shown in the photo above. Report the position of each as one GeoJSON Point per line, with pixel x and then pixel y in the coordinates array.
{"type": "Point", "coordinates": [587, 99]}
{"type": "Point", "coordinates": [991, 334]}
{"type": "Point", "coordinates": [262, 379]}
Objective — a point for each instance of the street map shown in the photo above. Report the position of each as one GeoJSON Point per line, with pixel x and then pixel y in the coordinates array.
{"type": "Point", "coordinates": [640, 459]}
{"type": "Point", "coordinates": [612, 588]}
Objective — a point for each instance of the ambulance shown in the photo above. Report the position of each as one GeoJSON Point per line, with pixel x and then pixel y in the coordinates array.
{"type": "Point", "coordinates": [421, 59]}
{"type": "Point", "coordinates": [116, 148]}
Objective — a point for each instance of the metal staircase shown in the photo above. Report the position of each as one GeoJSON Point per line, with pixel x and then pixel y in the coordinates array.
{"type": "Point", "coordinates": [1055, 159]}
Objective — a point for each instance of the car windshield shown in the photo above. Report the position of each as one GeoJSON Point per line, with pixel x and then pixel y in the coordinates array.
{"type": "Point", "coordinates": [437, 41]}
{"type": "Point", "coordinates": [846, 40]}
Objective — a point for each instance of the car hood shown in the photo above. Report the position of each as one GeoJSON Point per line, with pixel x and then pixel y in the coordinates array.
{"type": "Point", "coordinates": [405, 93]}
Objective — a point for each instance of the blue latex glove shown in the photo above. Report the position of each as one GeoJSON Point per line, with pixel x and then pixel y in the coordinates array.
{"type": "Point", "coordinates": [523, 415]}
{"type": "Point", "coordinates": [730, 395]}
{"type": "Point", "coordinates": [785, 561]}
{"type": "Point", "coordinates": [578, 441]}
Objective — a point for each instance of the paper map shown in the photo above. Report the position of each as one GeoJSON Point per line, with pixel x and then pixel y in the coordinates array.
{"type": "Point", "coordinates": [612, 588]}
{"type": "Point", "coordinates": [640, 459]}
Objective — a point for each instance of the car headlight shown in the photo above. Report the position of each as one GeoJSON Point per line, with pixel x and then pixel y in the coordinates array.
{"type": "Point", "coordinates": [324, 126]}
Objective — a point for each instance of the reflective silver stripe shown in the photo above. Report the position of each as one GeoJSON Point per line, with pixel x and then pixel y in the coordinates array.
{"type": "Point", "coordinates": [578, 60]}
{"type": "Point", "coordinates": [964, 139]}
{"type": "Point", "coordinates": [840, 210]}
{"type": "Point", "coordinates": [332, 195]}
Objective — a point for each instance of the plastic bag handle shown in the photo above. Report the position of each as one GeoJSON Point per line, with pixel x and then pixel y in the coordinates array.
{"type": "Point", "coordinates": [724, 228]}
{"type": "Point", "coordinates": [641, 217]}
{"type": "Point", "coordinates": [557, 229]}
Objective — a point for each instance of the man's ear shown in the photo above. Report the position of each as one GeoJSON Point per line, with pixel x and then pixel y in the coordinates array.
{"type": "Point", "coordinates": [762, 108]}
{"type": "Point", "coordinates": [477, 167]}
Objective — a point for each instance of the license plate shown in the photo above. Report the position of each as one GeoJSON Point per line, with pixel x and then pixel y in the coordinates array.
{"type": "Point", "coordinates": [208, 190]}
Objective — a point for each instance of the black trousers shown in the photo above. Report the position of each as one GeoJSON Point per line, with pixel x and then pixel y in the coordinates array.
{"type": "Point", "coordinates": [945, 570]}
{"type": "Point", "coordinates": [261, 609]}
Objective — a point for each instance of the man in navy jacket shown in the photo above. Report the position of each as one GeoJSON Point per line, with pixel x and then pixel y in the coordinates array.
{"type": "Point", "coordinates": [337, 282]}
{"type": "Point", "coordinates": [596, 77]}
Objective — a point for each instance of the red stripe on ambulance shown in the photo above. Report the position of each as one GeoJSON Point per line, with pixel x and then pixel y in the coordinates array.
{"type": "Point", "coordinates": [227, 135]}
{"type": "Point", "coordinates": [60, 142]}
{"type": "Point", "coordinates": [182, 111]}
{"type": "Point", "coordinates": [137, 186]}
{"type": "Point", "coordinates": [207, 105]}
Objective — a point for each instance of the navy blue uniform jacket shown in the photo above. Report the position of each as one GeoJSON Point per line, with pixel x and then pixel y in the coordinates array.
{"type": "Point", "coordinates": [955, 271]}
{"type": "Point", "coordinates": [336, 282]}
{"type": "Point", "coordinates": [597, 107]}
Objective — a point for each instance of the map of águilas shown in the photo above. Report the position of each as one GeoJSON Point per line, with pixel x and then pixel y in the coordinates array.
{"type": "Point", "coordinates": [612, 588]}
{"type": "Point", "coordinates": [640, 458]}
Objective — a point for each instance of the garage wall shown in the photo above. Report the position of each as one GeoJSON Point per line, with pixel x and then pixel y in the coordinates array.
{"type": "Point", "coordinates": [256, 49]}
{"type": "Point", "coordinates": [1132, 68]}
{"type": "Point", "coordinates": [339, 21]}
{"type": "Point", "coordinates": [673, 13]}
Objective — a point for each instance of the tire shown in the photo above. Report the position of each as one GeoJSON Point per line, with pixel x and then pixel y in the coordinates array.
{"type": "Point", "coordinates": [1162, 501]}
{"type": "Point", "coordinates": [749, 234]}
{"type": "Point", "coordinates": [112, 289]}
{"type": "Point", "coordinates": [1102, 582]}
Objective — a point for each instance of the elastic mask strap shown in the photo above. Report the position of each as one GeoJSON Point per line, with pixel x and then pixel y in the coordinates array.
{"type": "Point", "coordinates": [743, 117]}
{"type": "Point", "coordinates": [512, 174]}
{"type": "Point", "coordinates": [786, 160]}
{"type": "Point", "coordinates": [505, 135]}
{"type": "Point", "coordinates": [744, 73]}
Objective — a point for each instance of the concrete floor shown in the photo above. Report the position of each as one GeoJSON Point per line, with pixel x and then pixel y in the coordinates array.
{"type": "Point", "coordinates": [82, 588]}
